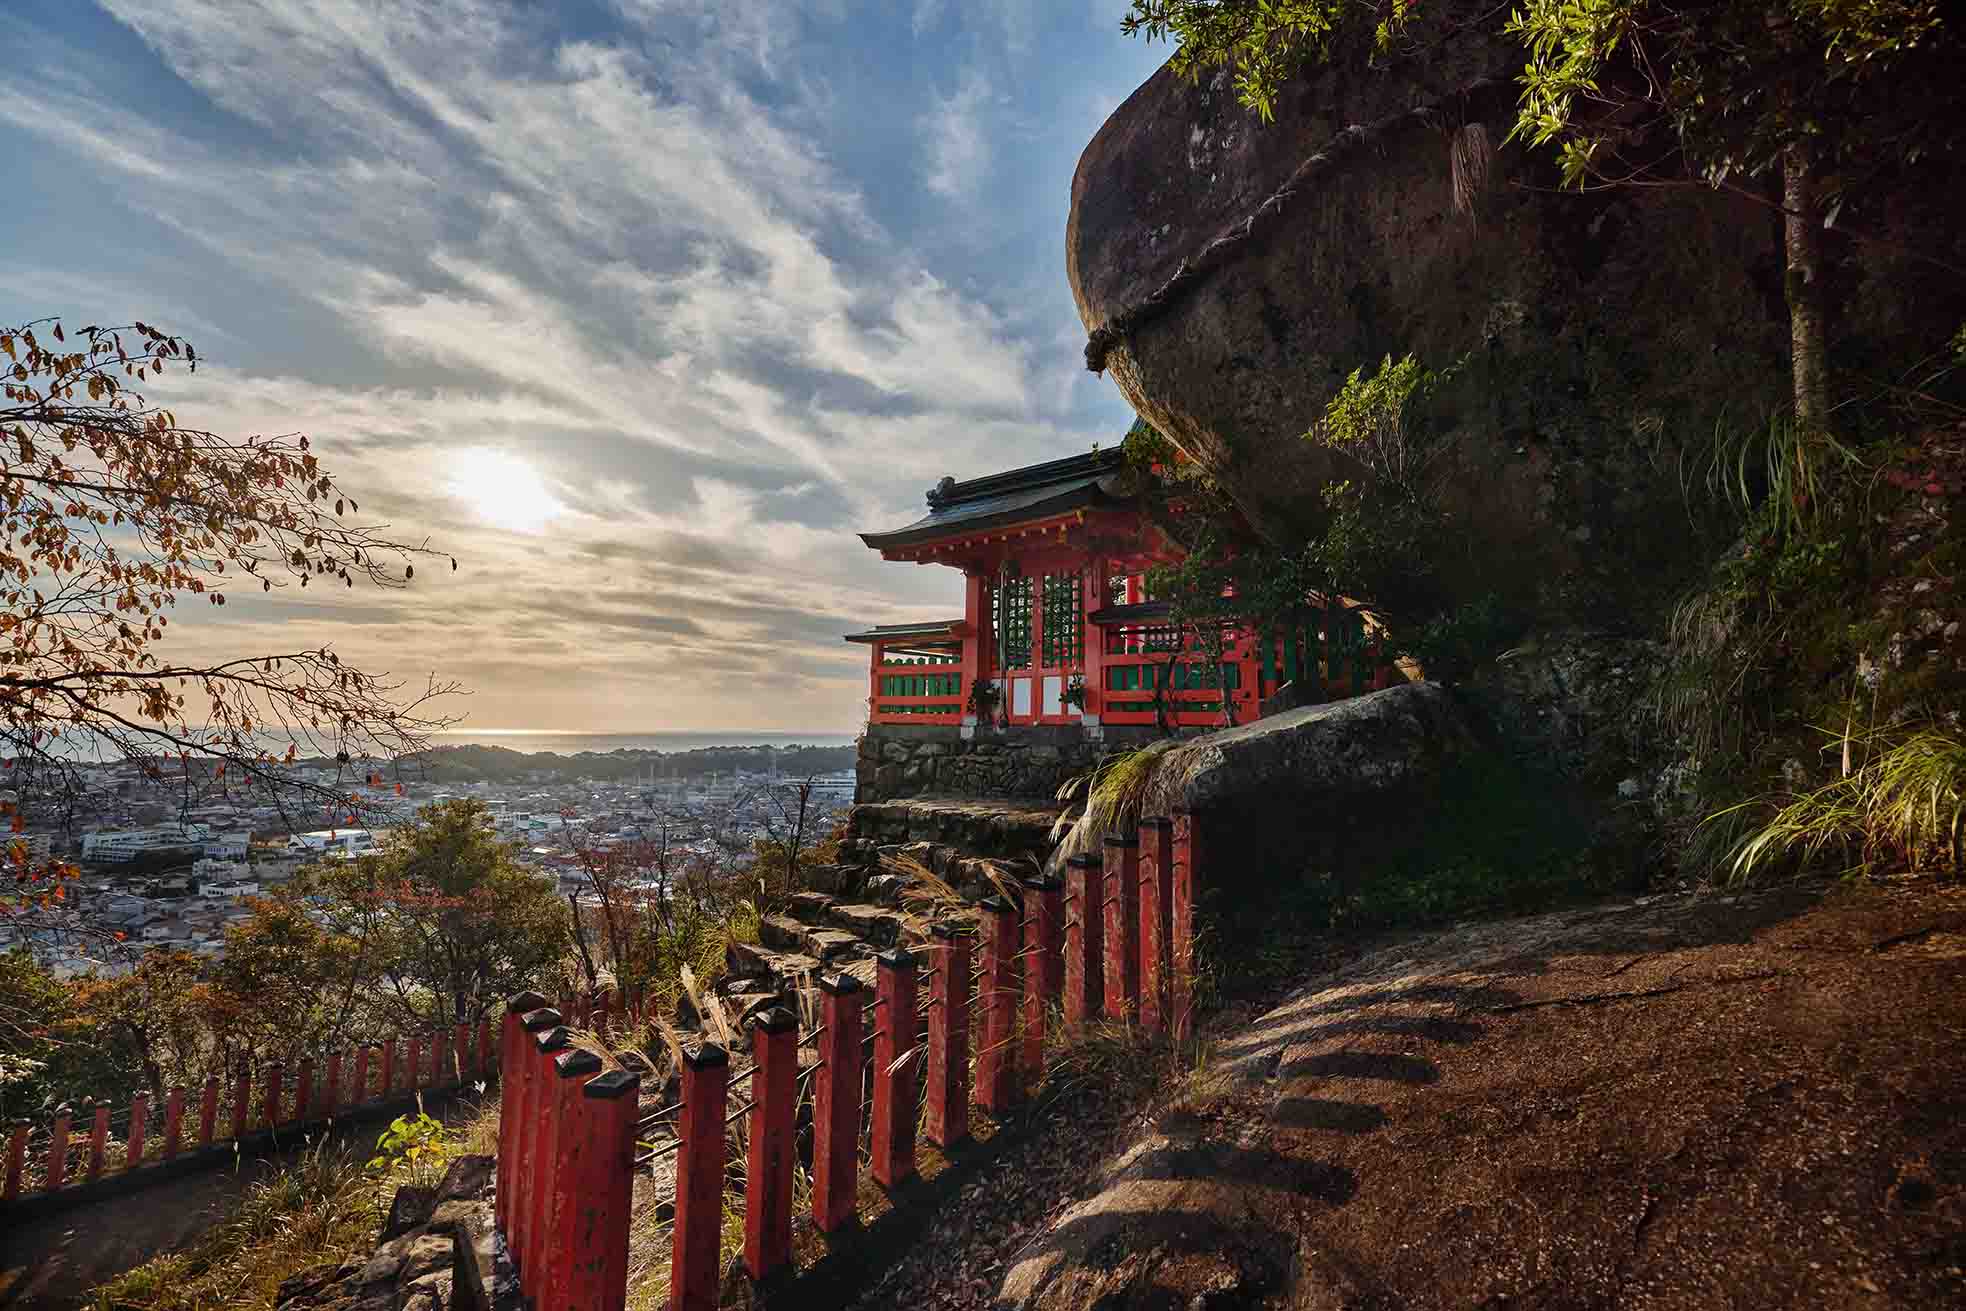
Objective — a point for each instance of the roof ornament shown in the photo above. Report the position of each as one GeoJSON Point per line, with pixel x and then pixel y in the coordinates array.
{"type": "Point", "coordinates": [942, 493]}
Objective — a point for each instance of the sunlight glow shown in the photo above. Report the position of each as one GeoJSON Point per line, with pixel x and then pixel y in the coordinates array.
{"type": "Point", "coordinates": [504, 490]}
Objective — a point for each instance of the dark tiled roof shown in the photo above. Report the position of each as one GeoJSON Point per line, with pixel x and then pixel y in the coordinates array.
{"type": "Point", "coordinates": [1033, 492]}
{"type": "Point", "coordinates": [887, 632]}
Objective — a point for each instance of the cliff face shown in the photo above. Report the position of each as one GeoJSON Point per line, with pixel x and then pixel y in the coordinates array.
{"type": "Point", "coordinates": [1605, 334]}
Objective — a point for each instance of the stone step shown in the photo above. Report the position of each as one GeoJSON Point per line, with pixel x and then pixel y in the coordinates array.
{"type": "Point", "coordinates": [782, 967]}
{"type": "Point", "coordinates": [879, 925]}
{"type": "Point", "coordinates": [1006, 827]}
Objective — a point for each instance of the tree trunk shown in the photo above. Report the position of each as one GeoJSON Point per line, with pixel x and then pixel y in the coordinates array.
{"type": "Point", "coordinates": [1802, 240]}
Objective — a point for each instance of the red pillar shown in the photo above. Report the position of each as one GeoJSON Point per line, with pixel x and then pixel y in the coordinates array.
{"type": "Point", "coordinates": [98, 1140]}
{"type": "Point", "coordinates": [1044, 962]}
{"type": "Point", "coordinates": [836, 1104]}
{"type": "Point", "coordinates": [139, 1129]}
{"type": "Point", "coordinates": [304, 1091]}
{"type": "Point", "coordinates": [16, 1160]}
{"type": "Point", "coordinates": [525, 1069]}
{"type": "Point", "coordinates": [948, 1037]}
{"type": "Point", "coordinates": [977, 641]}
{"type": "Point", "coordinates": [511, 1029]}
{"type": "Point", "coordinates": [58, 1153]}
{"type": "Point", "coordinates": [768, 1171]}
{"type": "Point", "coordinates": [1156, 907]}
{"type": "Point", "coordinates": [1085, 961]}
{"type": "Point", "coordinates": [331, 1093]}
{"type": "Point", "coordinates": [359, 1094]}
{"type": "Point", "coordinates": [893, 1145]}
{"type": "Point", "coordinates": [173, 1123]}
{"type": "Point", "coordinates": [276, 1075]}
{"type": "Point", "coordinates": [208, 1111]}
{"type": "Point", "coordinates": [242, 1103]}
{"type": "Point", "coordinates": [996, 1062]}
{"type": "Point", "coordinates": [567, 1173]}
{"type": "Point", "coordinates": [695, 1270]}
{"type": "Point", "coordinates": [536, 1195]}
{"type": "Point", "coordinates": [597, 1260]}
{"type": "Point", "coordinates": [1122, 914]}
{"type": "Point", "coordinates": [1181, 927]}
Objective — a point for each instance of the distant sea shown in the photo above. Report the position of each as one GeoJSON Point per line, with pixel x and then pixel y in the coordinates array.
{"type": "Point", "coordinates": [568, 744]}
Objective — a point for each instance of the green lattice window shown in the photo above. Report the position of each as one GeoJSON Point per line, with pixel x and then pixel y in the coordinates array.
{"type": "Point", "coordinates": [1010, 619]}
{"type": "Point", "coordinates": [1064, 622]}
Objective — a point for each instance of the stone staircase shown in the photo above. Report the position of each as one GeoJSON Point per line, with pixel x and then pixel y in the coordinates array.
{"type": "Point", "coordinates": [873, 901]}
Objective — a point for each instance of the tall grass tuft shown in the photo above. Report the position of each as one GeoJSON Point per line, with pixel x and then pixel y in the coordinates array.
{"type": "Point", "coordinates": [1114, 793]}
{"type": "Point", "coordinates": [1905, 806]}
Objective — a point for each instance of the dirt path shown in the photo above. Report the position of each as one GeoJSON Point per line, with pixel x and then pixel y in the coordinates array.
{"type": "Point", "coordinates": [1720, 1102]}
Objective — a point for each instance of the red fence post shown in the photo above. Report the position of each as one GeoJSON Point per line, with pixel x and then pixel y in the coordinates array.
{"type": "Point", "coordinates": [893, 1146]}
{"type": "Point", "coordinates": [695, 1268]}
{"type": "Point", "coordinates": [1085, 960]}
{"type": "Point", "coordinates": [535, 1199]}
{"type": "Point", "coordinates": [139, 1128]}
{"type": "Point", "coordinates": [1044, 963]}
{"type": "Point", "coordinates": [16, 1159]}
{"type": "Point", "coordinates": [173, 1123]}
{"type": "Point", "coordinates": [524, 1069]}
{"type": "Point", "coordinates": [388, 1069]}
{"type": "Point", "coordinates": [567, 1173]}
{"type": "Point", "coordinates": [948, 1037]}
{"type": "Point", "coordinates": [768, 1170]}
{"type": "Point", "coordinates": [1156, 904]}
{"type": "Point", "coordinates": [275, 1077]}
{"type": "Point", "coordinates": [242, 1102]}
{"type": "Point", "coordinates": [510, 1030]}
{"type": "Point", "coordinates": [98, 1139]}
{"type": "Point", "coordinates": [836, 1104]}
{"type": "Point", "coordinates": [359, 1093]}
{"type": "Point", "coordinates": [331, 1094]}
{"type": "Point", "coordinates": [58, 1153]}
{"type": "Point", "coordinates": [1122, 915]}
{"type": "Point", "coordinates": [208, 1111]}
{"type": "Point", "coordinates": [597, 1261]}
{"type": "Point", "coordinates": [996, 1060]}
{"type": "Point", "coordinates": [304, 1091]}
{"type": "Point", "coordinates": [1181, 927]}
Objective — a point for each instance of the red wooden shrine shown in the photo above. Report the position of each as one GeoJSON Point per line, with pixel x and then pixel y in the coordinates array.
{"type": "Point", "coordinates": [1057, 627]}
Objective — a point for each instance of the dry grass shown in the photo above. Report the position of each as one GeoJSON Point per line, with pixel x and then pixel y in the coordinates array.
{"type": "Point", "coordinates": [1115, 794]}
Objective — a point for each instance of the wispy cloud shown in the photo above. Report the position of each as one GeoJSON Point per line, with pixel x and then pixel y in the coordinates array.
{"type": "Point", "coordinates": [657, 257]}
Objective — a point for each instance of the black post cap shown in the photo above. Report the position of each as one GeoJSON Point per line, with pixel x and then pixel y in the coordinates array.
{"type": "Point", "coordinates": [894, 958]}
{"type": "Point", "coordinates": [1085, 860]}
{"type": "Point", "coordinates": [774, 1019]}
{"type": "Point", "coordinates": [554, 1040]}
{"type": "Point", "coordinates": [523, 1002]}
{"type": "Point", "coordinates": [709, 1056]}
{"type": "Point", "coordinates": [997, 904]}
{"type": "Point", "coordinates": [1157, 822]}
{"type": "Point", "coordinates": [1122, 839]}
{"type": "Point", "coordinates": [952, 929]}
{"type": "Point", "coordinates": [839, 985]}
{"type": "Point", "coordinates": [612, 1084]}
{"type": "Point", "coordinates": [543, 1018]}
{"type": "Point", "coordinates": [1044, 883]}
{"type": "Point", "coordinates": [576, 1061]}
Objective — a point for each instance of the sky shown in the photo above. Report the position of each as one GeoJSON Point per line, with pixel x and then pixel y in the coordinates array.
{"type": "Point", "coordinates": [639, 308]}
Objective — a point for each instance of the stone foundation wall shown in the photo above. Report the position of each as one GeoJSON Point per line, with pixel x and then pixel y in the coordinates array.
{"type": "Point", "coordinates": [908, 761]}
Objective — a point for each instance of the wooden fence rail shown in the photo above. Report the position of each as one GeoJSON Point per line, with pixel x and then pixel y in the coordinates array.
{"type": "Point", "coordinates": [1114, 938]}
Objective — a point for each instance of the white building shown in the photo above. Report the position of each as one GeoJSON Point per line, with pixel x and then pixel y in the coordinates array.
{"type": "Point", "coordinates": [227, 846]}
{"type": "Point", "coordinates": [128, 844]}
{"type": "Point", "coordinates": [345, 841]}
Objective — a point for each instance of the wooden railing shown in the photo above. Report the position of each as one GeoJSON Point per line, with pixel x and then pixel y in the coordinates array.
{"type": "Point", "coordinates": [1115, 938]}
{"type": "Point", "coordinates": [100, 1141]}
{"type": "Point", "coordinates": [917, 689]}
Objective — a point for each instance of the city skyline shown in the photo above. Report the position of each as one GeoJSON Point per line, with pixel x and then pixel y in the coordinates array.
{"type": "Point", "coordinates": [640, 309]}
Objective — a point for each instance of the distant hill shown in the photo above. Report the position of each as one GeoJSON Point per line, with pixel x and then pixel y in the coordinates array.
{"type": "Point", "coordinates": [475, 763]}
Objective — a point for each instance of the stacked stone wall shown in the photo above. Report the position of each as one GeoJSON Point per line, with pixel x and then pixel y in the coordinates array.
{"type": "Point", "coordinates": [1031, 762]}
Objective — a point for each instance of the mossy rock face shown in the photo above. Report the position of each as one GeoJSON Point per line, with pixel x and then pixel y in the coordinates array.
{"type": "Point", "coordinates": [1605, 334]}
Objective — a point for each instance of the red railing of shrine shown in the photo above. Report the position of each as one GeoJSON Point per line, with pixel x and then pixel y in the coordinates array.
{"type": "Point", "coordinates": [101, 1141]}
{"type": "Point", "coordinates": [1115, 939]}
{"type": "Point", "coordinates": [924, 686]}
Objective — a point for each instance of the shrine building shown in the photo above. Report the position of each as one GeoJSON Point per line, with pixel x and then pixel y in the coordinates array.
{"type": "Point", "coordinates": [1058, 639]}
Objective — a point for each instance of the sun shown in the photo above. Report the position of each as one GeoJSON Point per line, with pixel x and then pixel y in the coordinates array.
{"type": "Point", "coordinates": [504, 490]}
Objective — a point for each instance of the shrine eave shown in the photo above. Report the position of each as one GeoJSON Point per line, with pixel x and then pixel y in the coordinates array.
{"type": "Point", "coordinates": [911, 632]}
